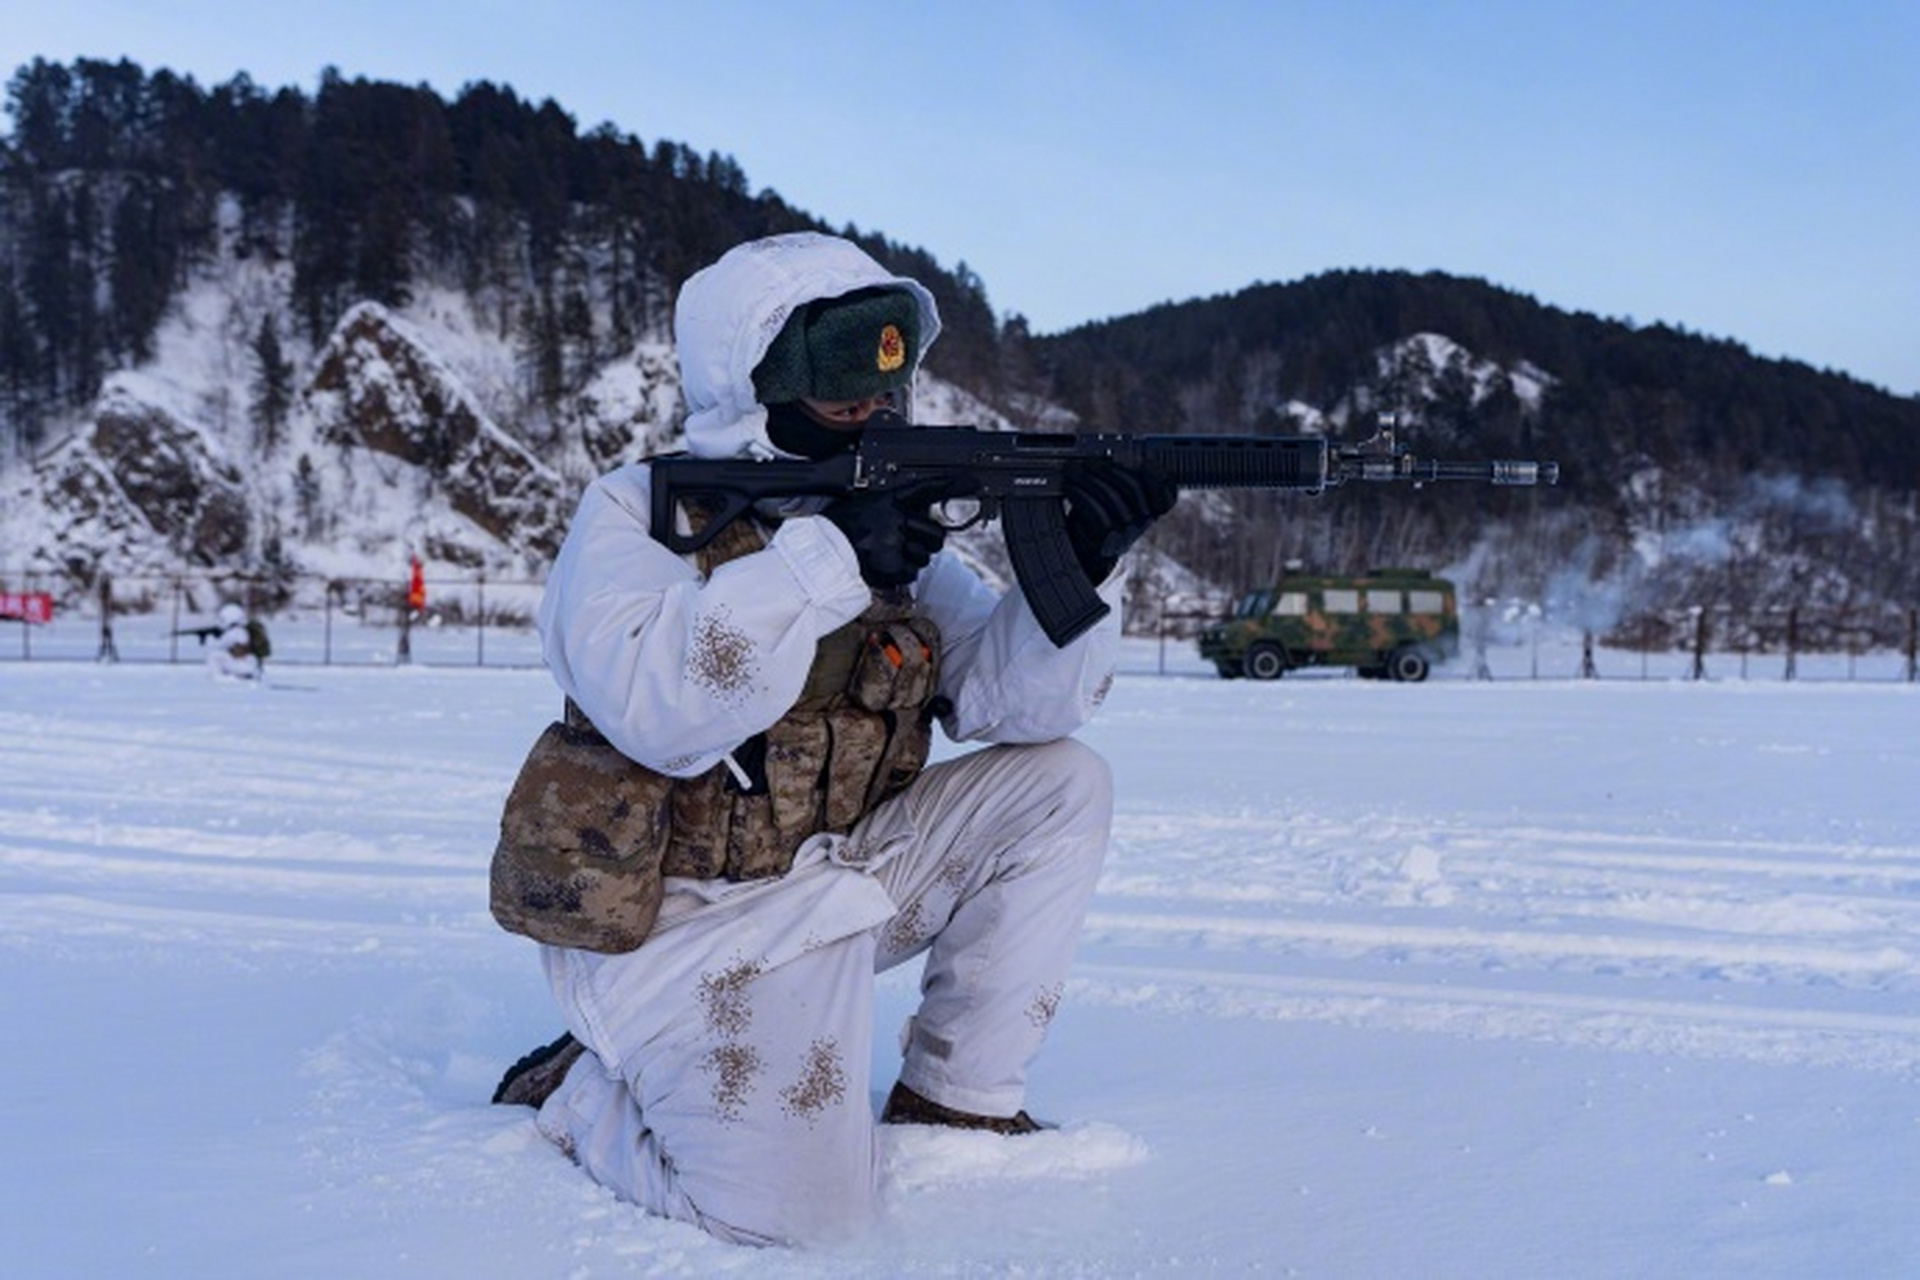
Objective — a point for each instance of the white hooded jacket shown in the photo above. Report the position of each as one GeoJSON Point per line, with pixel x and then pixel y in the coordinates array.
{"type": "Point", "coordinates": [676, 669]}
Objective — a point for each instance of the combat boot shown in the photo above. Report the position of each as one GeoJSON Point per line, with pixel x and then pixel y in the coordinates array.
{"type": "Point", "coordinates": [904, 1106]}
{"type": "Point", "coordinates": [530, 1081]}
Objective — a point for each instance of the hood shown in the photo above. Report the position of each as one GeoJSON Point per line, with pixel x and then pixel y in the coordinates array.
{"type": "Point", "coordinates": [729, 313]}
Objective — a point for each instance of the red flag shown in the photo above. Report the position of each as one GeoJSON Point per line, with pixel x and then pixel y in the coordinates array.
{"type": "Point", "coordinates": [417, 586]}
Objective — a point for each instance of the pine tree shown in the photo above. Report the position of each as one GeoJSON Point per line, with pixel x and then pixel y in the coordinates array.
{"type": "Point", "coordinates": [272, 385]}
{"type": "Point", "coordinates": [145, 249]}
{"type": "Point", "coordinates": [306, 498]}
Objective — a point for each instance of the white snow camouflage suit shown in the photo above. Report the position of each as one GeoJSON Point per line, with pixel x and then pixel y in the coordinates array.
{"type": "Point", "coordinates": [728, 1081]}
{"type": "Point", "coordinates": [230, 654]}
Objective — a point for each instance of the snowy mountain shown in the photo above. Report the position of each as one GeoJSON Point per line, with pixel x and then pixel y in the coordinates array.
{"type": "Point", "coordinates": [300, 339]}
{"type": "Point", "coordinates": [1693, 475]}
{"type": "Point", "coordinates": [401, 438]}
{"type": "Point", "coordinates": [388, 447]}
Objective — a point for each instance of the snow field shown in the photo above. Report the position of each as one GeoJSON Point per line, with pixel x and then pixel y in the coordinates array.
{"type": "Point", "coordinates": [1481, 979]}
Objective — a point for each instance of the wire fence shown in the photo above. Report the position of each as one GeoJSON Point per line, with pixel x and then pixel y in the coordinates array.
{"type": "Point", "coordinates": [1518, 639]}
{"type": "Point", "coordinates": [441, 620]}
{"type": "Point", "coordinates": [470, 620]}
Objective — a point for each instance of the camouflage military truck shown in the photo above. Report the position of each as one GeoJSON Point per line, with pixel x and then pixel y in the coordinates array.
{"type": "Point", "coordinates": [1388, 624]}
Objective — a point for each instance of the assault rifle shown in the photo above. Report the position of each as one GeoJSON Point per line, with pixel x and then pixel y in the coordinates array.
{"type": "Point", "coordinates": [1020, 476]}
{"type": "Point", "coordinates": [202, 634]}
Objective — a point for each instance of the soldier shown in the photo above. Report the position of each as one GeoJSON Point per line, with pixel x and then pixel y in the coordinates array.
{"type": "Point", "coordinates": [231, 655]}
{"type": "Point", "coordinates": [764, 706]}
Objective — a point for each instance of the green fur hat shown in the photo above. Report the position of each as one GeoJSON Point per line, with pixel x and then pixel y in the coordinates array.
{"type": "Point", "coordinates": [847, 348]}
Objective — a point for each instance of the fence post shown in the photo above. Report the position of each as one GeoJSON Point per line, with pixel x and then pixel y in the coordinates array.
{"type": "Point", "coordinates": [1913, 645]}
{"type": "Point", "coordinates": [109, 652]}
{"type": "Point", "coordinates": [405, 654]}
{"type": "Point", "coordinates": [480, 621]}
{"type": "Point", "coordinates": [1793, 643]}
{"type": "Point", "coordinates": [173, 640]}
{"type": "Point", "coordinates": [1699, 643]}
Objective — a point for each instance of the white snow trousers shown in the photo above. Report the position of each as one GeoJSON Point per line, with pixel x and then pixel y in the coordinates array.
{"type": "Point", "coordinates": [222, 665]}
{"type": "Point", "coordinates": [728, 1082]}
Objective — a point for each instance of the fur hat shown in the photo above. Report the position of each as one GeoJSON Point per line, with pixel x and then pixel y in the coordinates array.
{"type": "Point", "coordinates": [857, 345]}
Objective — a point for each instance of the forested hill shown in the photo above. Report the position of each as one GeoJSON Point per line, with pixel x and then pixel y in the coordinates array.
{"type": "Point", "coordinates": [1693, 473]}
{"type": "Point", "coordinates": [233, 317]}
{"type": "Point", "coordinates": [112, 182]}
{"type": "Point", "coordinates": [112, 179]}
{"type": "Point", "coordinates": [1608, 396]}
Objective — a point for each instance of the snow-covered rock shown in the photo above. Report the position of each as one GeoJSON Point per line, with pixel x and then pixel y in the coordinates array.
{"type": "Point", "coordinates": [138, 486]}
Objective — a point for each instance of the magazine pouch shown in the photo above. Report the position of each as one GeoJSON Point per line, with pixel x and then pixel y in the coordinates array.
{"type": "Point", "coordinates": [582, 839]}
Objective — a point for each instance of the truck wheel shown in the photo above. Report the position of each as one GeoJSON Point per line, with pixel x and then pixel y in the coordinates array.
{"type": "Point", "coordinates": [1266, 662]}
{"type": "Point", "coordinates": [1408, 666]}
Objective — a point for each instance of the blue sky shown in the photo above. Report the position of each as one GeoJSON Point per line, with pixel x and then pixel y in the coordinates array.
{"type": "Point", "coordinates": [1748, 170]}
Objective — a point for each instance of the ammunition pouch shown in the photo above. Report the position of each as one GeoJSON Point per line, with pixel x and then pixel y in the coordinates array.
{"type": "Point", "coordinates": [582, 838]}
{"type": "Point", "coordinates": [860, 732]}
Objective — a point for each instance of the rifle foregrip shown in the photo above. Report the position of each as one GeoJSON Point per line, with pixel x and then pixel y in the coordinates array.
{"type": "Point", "coordinates": [1050, 576]}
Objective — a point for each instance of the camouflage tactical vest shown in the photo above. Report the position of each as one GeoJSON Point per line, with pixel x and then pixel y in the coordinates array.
{"type": "Point", "coordinates": [587, 834]}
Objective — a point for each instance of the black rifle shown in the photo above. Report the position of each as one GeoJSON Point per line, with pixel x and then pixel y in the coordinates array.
{"type": "Point", "coordinates": [1020, 476]}
{"type": "Point", "coordinates": [203, 634]}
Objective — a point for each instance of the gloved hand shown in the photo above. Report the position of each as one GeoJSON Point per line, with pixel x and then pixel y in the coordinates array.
{"type": "Point", "coordinates": [893, 533]}
{"type": "Point", "coordinates": [1109, 508]}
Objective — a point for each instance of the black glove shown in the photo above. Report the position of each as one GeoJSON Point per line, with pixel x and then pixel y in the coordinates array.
{"type": "Point", "coordinates": [1109, 507]}
{"type": "Point", "coordinates": [892, 532]}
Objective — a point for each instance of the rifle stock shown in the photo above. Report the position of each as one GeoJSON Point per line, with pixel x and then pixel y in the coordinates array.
{"type": "Point", "coordinates": [1020, 476]}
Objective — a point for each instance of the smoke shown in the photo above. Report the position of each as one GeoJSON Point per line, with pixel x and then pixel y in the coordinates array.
{"type": "Point", "coordinates": [1754, 543]}
{"type": "Point", "coordinates": [1818, 506]}
{"type": "Point", "coordinates": [1702, 545]}
{"type": "Point", "coordinates": [1751, 550]}
{"type": "Point", "coordinates": [1583, 594]}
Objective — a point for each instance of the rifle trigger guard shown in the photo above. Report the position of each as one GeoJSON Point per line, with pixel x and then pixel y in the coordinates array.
{"type": "Point", "coordinates": [955, 514]}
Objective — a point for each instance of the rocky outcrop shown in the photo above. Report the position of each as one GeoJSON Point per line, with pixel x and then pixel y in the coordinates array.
{"type": "Point", "coordinates": [377, 386]}
{"type": "Point", "coordinates": [145, 478]}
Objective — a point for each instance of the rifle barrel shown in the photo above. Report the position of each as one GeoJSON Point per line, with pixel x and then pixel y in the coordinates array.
{"type": "Point", "coordinates": [1311, 463]}
{"type": "Point", "coordinates": [1403, 466]}
{"type": "Point", "coordinates": [1502, 471]}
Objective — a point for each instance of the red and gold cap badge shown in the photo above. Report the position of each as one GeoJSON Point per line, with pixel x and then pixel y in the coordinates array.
{"type": "Point", "coordinates": [893, 349]}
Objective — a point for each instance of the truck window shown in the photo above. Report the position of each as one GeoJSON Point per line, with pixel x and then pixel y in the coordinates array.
{"type": "Point", "coordinates": [1255, 604]}
{"type": "Point", "coordinates": [1426, 602]}
{"type": "Point", "coordinates": [1383, 600]}
{"type": "Point", "coordinates": [1340, 600]}
{"type": "Point", "coordinates": [1291, 604]}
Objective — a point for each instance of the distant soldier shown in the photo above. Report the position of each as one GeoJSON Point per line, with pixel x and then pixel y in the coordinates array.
{"type": "Point", "coordinates": [237, 651]}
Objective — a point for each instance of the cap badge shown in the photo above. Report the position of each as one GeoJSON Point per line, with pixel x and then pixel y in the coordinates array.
{"type": "Point", "coordinates": [893, 349]}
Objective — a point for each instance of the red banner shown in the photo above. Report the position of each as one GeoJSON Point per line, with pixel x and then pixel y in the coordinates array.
{"type": "Point", "coordinates": [27, 606]}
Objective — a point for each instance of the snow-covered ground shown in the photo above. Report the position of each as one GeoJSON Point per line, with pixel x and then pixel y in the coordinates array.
{"type": "Point", "coordinates": [1504, 978]}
